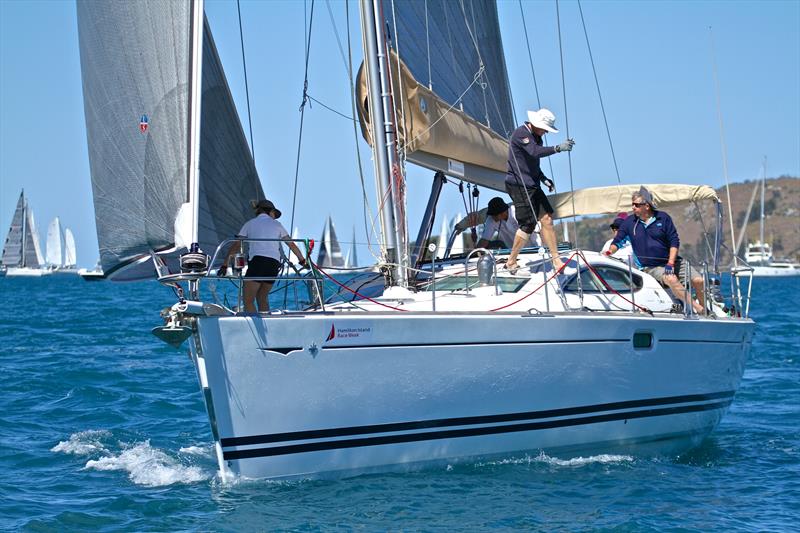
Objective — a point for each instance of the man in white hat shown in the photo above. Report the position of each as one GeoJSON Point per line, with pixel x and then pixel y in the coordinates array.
{"type": "Point", "coordinates": [523, 182]}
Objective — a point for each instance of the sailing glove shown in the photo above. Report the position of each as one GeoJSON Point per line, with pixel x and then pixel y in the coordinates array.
{"type": "Point", "coordinates": [566, 146]}
{"type": "Point", "coordinates": [669, 270]}
{"type": "Point", "coordinates": [550, 185]}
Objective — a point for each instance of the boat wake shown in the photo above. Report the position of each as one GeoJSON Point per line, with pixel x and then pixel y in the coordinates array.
{"type": "Point", "coordinates": [144, 464]}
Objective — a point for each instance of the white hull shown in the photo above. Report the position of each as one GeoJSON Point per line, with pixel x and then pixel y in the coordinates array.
{"type": "Point", "coordinates": [26, 272]}
{"type": "Point", "coordinates": [299, 395]}
{"type": "Point", "coordinates": [769, 271]}
{"type": "Point", "coordinates": [776, 270]}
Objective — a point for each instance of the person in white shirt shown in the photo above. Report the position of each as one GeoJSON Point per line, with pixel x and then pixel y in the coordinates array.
{"type": "Point", "coordinates": [501, 225]}
{"type": "Point", "coordinates": [264, 257]}
{"type": "Point", "coordinates": [625, 249]}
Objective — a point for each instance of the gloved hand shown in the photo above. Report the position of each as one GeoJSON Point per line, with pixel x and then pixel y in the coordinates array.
{"type": "Point", "coordinates": [566, 146]}
{"type": "Point", "coordinates": [550, 185]}
{"type": "Point", "coordinates": [669, 270]}
{"type": "Point", "coordinates": [222, 269]}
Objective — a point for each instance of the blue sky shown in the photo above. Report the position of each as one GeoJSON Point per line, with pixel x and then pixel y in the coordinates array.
{"type": "Point", "coordinates": [653, 61]}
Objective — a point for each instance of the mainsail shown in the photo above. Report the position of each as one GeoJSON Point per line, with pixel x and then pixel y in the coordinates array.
{"type": "Point", "coordinates": [451, 88]}
{"type": "Point", "coordinates": [54, 253]}
{"type": "Point", "coordinates": [21, 248]}
{"type": "Point", "coordinates": [330, 251]}
{"type": "Point", "coordinates": [137, 64]}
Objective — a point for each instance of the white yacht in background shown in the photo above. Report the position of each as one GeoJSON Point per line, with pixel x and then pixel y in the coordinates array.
{"type": "Point", "coordinates": [759, 254]}
{"type": "Point", "coordinates": [439, 362]}
{"type": "Point", "coordinates": [22, 255]}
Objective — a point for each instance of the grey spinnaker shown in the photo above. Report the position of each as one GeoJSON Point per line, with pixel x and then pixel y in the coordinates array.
{"type": "Point", "coordinates": [136, 63]}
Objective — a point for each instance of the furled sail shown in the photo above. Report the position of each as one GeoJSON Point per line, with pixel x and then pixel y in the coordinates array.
{"type": "Point", "coordinates": [70, 255]}
{"type": "Point", "coordinates": [451, 88]}
{"type": "Point", "coordinates": [136, 63]}
{"type": "Point", "coordinates": [54, 252]}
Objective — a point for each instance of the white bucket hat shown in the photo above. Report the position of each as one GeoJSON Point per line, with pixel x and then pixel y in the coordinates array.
{"type": "Point", "coordinates": [544, 119]}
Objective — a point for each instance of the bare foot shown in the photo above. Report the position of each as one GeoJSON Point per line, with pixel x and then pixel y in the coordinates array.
{"type": "Point", "coordinates": [512, 268]}
{"type": "Point", "coordinates": [557, 263]}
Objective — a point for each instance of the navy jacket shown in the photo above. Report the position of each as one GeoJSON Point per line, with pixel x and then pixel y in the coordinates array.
{"type": "Point", "coordinates": [524, 152]}
{"type": "Point", "coordinates": [651, 244]}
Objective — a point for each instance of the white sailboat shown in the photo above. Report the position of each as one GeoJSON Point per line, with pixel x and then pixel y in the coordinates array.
{"type": "Point", "coordinates": [330, 251]}
{"type": "Point", "coordinates": [22, 255]}
{"type": "Point", "coordinates": [70, 252]}
{"type": "Point", "coordinates": [445, 363]}
{"type": "Point", "coordinates": [54, 252]}
{"type": "Point", "coordinates": [759, 254]}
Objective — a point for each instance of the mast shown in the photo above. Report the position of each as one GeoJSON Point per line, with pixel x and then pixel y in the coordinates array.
{"type": "Point", "coordinates": [761, 220]}
{"type": "Point", "coordinates": [195, 95]}
{"type": "Point", "coordinates": [383, 133]}
{"type": "Point", "coordinates": [24, 226]}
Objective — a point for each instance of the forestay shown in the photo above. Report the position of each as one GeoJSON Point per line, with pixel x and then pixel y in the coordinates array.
{"type": "Point", "coordinates": [451, 88]}
{"type": "Point", "coordinates": [136, 63]}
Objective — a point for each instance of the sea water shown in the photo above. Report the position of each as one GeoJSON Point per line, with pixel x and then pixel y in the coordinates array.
{"type": "Point", "coordinates": [103, 428]}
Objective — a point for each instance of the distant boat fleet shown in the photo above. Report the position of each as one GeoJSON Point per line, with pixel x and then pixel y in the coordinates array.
{"type": "Point", "coordinates": [22, 251]}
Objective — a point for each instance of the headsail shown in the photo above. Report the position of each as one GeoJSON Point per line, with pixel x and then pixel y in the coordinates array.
{"type": "Point", "coordinates": [70, 256]}
{"type": "Point", "coordinates": [452, 91]}
{"type": "Point", "coordinates": [54, 251]}
{"type": "Point", "coordinates": [136, 59]}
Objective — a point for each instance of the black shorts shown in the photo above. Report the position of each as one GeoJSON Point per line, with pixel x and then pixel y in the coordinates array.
{"type": "Point", "coordinates": [522, 207]}
{"type": "Point", "coordinates": [263, 267]}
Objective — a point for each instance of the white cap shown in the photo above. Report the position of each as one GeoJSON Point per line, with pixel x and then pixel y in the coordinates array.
{"type": "Point", "coordinates": [544, 119]}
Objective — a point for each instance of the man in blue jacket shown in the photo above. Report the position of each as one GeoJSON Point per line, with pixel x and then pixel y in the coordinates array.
{"type": "Point", "coordinates": [524, 179]}
{"type": "Point", "coordinates": [655, 244]}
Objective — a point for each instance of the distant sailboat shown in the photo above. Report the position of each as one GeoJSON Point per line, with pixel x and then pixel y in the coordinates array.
{"type": "Point", "coordinates": [444, 234]}
{"type": "Point", "coordinates": [759, 254]}
{"type": "Point", "coordinates": [70, 255]}
{"type": "Point", "coordinates": [22, 254]}
{"type": "Point", "coordinates": [54, 253]}
{"type": "Point", "coordinates": [96, 274]}
{"type": "Point", "coordinates": [330, 252]}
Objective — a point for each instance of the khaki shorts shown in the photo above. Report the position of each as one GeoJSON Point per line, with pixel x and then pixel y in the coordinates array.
{"type": "Point", "coordinates": [658, 272]}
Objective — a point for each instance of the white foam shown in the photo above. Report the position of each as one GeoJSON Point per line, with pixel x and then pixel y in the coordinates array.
{"type": "Point", "coordinates": [83, 443]}
{"type": "Point", "coordinates": [149, 466]}
{"type": "Point", "coordinates": [207, 451]}
{"type": "Point", "coordinates": [554, 461]}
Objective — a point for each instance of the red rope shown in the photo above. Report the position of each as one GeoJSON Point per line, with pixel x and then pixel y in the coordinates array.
{"type": "Point", "coordinates": [556, 273]}
{"type": "Point", "coordinates": [316, 266]}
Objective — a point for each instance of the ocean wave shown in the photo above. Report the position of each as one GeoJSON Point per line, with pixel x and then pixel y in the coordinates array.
{"type": "Point", "coordinates": [149, 466]}
{"type": "Point", "coordinates": [83, 443]}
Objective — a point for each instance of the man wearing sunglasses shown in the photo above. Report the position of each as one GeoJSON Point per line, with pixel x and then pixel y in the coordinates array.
{"type": "Point", "coordinates": [655, 245]}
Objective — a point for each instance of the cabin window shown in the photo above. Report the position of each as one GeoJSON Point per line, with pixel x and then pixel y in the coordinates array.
{"type": "Point", "coordinates": [616, 278]}
{"type": "Point", "coordinates": [456, 283]}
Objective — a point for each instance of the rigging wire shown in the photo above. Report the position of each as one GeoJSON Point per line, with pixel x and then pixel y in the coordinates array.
{"type": "Point", "coordinates": [533, 73]}
{"type": "Point", "coordinates": [600, 96]}
{"type": "Point", "coordinates": [566, 121]}
{"type": "Point", "coordinates": [247, 93]}
{"type": "Point", "coordinates": [302, 109]}
{"type": "Point", "coordinates": [722, 142]}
